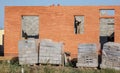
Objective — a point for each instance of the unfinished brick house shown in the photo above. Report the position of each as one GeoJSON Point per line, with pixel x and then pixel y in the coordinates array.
{"type": "Point", "coordinates": [69, 24]}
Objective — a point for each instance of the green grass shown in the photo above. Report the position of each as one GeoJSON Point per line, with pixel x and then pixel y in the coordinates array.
{"type": "Point", "coordinates": [12, 67]}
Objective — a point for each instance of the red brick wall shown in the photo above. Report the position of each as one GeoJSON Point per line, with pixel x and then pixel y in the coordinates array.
{"type": "Point", "coordinates": [57, 23]}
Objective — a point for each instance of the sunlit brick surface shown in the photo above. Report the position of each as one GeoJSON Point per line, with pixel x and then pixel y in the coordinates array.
{"type": "Point", "coordinates": [57, 23]}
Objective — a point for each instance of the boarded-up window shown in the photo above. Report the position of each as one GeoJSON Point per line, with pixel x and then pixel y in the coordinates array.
{"type": "Point", "coordinates": [30, 26]}
{"type": "Point", "coordinates": [79, 24]}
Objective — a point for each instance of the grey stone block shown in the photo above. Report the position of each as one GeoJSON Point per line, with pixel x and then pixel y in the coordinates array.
{"type": "Point", "coordinates": [87, 56]}
{"type": "Point", "coordinates": [111, 55]}
{"type": "Point", "coordinates": [28, 53]}
{"type": "Point", "coordinates": [50, 52]}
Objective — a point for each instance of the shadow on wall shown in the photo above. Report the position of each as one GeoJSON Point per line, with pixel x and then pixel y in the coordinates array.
{"type": "Point", "coordinates": [2, 47]}
{"type": "Point", "coordinates": [26, 36]}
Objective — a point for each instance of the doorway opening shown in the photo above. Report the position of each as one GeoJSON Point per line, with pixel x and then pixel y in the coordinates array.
{"type": "Point", "coordinates": [106, 30]}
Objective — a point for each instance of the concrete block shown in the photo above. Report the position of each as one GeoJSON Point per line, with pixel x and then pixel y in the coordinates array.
{"type": "Point", "coordinates": [87, 56]}
{"type": "Point", "coordinates": [28, 53]}
{"type": "Point", "coordinates": [50, 51]}
{"type": "Point", "coordinates": [111, 55]}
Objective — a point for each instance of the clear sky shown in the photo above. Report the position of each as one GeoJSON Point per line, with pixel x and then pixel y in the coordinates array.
{"type": "Point", "coordinates": [4, 3]}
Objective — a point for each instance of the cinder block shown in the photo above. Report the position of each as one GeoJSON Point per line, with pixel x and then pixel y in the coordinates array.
{"type": "Point", "coordinates": [50, 52]}
{"type": "Point", "coordinates": [111, 55]}
{"type": "Point", "coordinates": [28, 51]}
{"type": "Point", "coordinates": [87, 56]}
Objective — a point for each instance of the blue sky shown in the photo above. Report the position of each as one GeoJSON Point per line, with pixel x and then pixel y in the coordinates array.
{"type": "Point", "coordinates": [4, 3]}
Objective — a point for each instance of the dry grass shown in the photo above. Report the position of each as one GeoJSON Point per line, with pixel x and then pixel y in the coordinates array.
{"type": "Point", "coordinates": [12, 67]}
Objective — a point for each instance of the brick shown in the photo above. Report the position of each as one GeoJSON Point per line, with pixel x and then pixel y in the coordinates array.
{"type": "Point", "coordinates": [56, 23]}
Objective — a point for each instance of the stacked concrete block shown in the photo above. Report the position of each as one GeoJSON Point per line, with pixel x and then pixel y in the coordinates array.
{"type": "Point", "coordinates": [30, 25]}
{"type": "Point", "coordinates": [87, 56]}
{"type": "Point", "coordinates": [28, 53]}
{"type": "Point", "coordinates": [111, 55]}
{"type": "Point", "coordinates": [50, 52]}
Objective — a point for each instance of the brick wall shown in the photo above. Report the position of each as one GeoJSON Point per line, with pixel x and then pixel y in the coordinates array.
{"type": "Point", "coordinates": [57, 23]}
